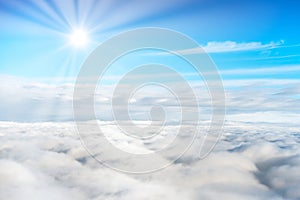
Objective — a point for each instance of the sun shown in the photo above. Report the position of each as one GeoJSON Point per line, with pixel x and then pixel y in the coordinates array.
{"type": "Point", "coordinates": [79, 38]}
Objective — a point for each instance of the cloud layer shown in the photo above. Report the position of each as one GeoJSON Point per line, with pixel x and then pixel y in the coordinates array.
{"type": "Point", "coordinates": [246, 100]}
{"type": "Point", "coordinates": [47, 161]}
{"type": "Point", "coordinates": [257, 157]}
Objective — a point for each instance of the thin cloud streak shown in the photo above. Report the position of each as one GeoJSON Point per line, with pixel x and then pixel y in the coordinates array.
{"type": "Point", "coordinates": [230, 46]}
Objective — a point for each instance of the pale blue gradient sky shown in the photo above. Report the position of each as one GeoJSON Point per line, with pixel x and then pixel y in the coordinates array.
{"type": "Point", "coordinates": [34, 34]}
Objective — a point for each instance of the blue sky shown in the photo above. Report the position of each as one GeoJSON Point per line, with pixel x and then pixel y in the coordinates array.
{"type": "Point", "coordinates": [239, 35]}
{"type": "Point", "coordinates": [254, 44]}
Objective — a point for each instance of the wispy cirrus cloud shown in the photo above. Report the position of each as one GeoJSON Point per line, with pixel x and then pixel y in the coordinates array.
{"type": "Point", "coordinates": [230, 46]}
{"type": "Point", "coordinates": [263, 70]}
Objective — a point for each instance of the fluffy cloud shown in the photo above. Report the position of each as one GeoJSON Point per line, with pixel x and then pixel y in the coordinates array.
{"type": "Point", "coordinates": [47, 160]}
{"type": "Point", "coordinates": [257, 157]}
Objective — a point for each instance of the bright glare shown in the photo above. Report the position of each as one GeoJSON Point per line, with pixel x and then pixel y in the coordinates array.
{"type": "Point", "coordinates": [79, 38]}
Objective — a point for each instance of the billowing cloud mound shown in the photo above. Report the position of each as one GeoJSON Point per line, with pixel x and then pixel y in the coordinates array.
{"type": "Point", "coordinates": [47, 161]}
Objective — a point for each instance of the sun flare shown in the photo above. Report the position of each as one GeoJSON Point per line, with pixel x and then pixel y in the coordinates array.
{"type": "Point", "coordinates": [79, 38]}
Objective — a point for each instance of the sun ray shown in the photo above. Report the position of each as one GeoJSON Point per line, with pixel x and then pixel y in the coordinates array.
{"type": "Point", "coordinates": [53, 6]}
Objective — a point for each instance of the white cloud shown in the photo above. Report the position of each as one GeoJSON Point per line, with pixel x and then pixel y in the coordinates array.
{"type": "Point", "coordinates": [262, 70]}
{"type": "Point", "coordinates": [230, 46]}
{"type": "Point", "coordinates": [47, 161]}
{"type": "Point", "coordinates": [257, 157]}
{"type": "Point", "coordinates": [258, 100]}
